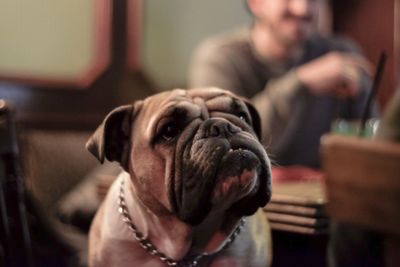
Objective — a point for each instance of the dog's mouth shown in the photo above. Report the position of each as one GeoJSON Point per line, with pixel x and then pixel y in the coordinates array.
{"type": "Point", "coordinates": [237, 176]}
{"type": "Point", "coordinates": [217, 174]}
{"type": "Point", "coordinates": [218, 168]}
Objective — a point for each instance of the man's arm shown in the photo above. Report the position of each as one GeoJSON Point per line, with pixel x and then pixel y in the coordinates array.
{"type": "Point", "coordinates": [342, 73]}
{"type": "Point", "coordinates": [276, 103]}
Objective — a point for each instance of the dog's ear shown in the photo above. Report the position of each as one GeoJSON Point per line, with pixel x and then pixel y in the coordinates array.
{"type": "Point", "coordinates": [255, 118]}
{"type": "Point", "coordinates": [111, 140]}
{"type": "Point", "coordinates": [249, 205]}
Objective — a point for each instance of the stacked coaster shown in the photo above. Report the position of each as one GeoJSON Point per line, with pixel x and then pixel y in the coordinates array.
{"type": "Point", "coordinates": [298, 206]}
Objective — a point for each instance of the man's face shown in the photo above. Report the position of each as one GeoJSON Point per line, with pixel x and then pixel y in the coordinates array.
{"type": "Point", "coordinates": [290, 21]}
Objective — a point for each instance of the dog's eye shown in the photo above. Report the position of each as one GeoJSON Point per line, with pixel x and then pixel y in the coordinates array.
{"type": "Point", "coordinates": [243, 116]}
{"type": "Point", "coordinates": [169, 131]}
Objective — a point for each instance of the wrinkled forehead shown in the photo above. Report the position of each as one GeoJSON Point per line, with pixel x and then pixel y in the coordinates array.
{"type": "Point", "coordinates": [194, 100]}
{"type": "Point", "coordinates": [193, 103]}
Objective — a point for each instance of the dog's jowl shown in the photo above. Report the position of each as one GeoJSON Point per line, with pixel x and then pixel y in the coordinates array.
{"type": "Point", "coordinates": [194, 175]}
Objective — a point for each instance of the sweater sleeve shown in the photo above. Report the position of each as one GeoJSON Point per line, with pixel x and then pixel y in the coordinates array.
{"type": "Point", "coordinates": [356, 106]}
{"type": "Point", "coordinates": [211, 66]}
{"type": "Point", "coordinates": [280, 105]}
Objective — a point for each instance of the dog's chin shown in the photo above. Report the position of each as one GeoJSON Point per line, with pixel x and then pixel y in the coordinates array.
{"type": "Point", "coordinates": [217, 175]}
{"type": "Point", "coordinates": [237, 177]}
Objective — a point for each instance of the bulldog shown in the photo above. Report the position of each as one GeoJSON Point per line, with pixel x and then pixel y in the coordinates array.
{"type": "Point", "coordinates": [194, 175]}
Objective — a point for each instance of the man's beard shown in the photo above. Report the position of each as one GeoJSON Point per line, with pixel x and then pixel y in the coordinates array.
{"type": "Point", "coordinates": [293, 38]}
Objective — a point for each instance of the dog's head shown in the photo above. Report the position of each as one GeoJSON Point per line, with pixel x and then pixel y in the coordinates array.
{"type": "Point", "coordinates": [189, 152]}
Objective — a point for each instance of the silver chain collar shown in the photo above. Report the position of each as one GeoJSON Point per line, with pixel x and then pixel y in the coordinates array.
{"type": "Point", "coordinates": [147, 245]}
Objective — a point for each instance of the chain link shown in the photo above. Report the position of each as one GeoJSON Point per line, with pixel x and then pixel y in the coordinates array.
{"type": "Point", "coordinates": [147, 245]}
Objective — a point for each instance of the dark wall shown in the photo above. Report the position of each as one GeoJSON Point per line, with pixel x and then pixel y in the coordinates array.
{"type": "Point", "coordinates": [372, 24]}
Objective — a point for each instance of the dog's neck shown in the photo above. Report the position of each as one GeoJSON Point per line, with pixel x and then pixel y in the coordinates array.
{"type": "Point", "coordinates": [173, 237]}
{"type": "Point", "coordinates": [210, 235]}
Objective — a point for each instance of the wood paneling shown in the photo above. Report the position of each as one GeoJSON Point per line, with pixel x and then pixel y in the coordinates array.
{"type": "Point", "coordinates": [39, 107]}
{"type": "Point", "coordinates": [134, 33]}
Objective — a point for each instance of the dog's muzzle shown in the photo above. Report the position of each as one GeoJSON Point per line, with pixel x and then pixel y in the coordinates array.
{"type": "Point", "coordinates": [218, 163]}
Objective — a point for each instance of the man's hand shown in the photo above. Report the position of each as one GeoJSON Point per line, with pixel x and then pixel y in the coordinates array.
{"type": "Point", "coordinates": [335, 73]}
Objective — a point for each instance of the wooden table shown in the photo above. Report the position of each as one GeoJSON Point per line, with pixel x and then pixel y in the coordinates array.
{"type": "Point", "coordinates": [363, 187]}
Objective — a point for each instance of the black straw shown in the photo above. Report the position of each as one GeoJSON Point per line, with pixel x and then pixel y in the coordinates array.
{"type": "Point", "coordinates": [374, 90]}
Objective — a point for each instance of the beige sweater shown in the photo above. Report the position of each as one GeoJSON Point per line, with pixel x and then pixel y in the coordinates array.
{"type": "Point", "coordinates": [293, 120]}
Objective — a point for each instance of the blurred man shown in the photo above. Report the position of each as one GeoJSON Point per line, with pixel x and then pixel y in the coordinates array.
{"type": "Point", "coordinates": [299, 80]}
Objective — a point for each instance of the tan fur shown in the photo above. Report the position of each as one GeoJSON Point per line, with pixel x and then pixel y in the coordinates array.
{"type": "Point", "coordinates": [113, 244]}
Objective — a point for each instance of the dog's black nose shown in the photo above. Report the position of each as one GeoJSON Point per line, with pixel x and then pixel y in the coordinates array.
{"type": "Point", "coordinates": [219, 127]}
